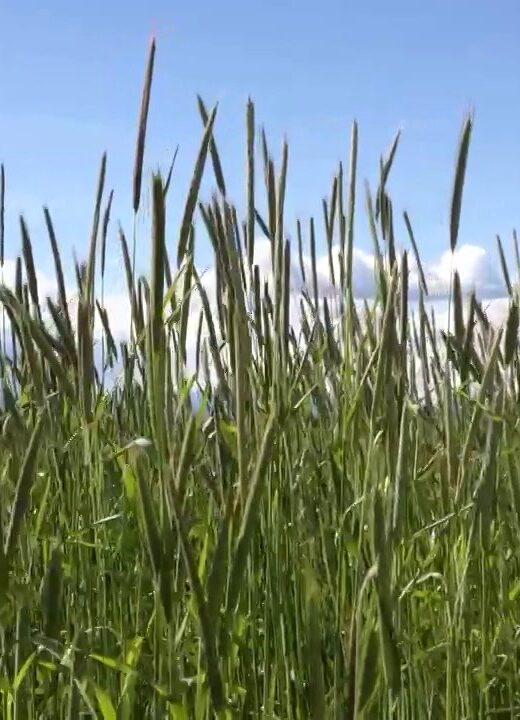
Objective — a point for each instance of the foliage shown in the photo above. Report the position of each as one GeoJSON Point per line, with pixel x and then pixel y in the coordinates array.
{"type": "Point", "coordinates": [333, 534]}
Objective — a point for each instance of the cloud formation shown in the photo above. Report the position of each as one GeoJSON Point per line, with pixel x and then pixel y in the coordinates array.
{"type": "Point", "coordinates": [477, 270]}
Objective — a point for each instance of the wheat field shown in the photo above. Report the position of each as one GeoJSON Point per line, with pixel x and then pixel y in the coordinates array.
{"type": "Point", "coordinates": [330, 531]}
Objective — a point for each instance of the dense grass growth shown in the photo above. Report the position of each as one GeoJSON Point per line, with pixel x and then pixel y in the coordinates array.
{"type": "Point", "coordinates": [336, 537]}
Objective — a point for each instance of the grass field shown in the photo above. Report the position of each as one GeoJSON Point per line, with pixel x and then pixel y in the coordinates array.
{"type": "Point", "coordinates": [332, 533]}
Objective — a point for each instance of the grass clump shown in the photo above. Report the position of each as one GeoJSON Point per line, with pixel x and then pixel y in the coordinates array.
{"type": "Point", "coordinates": [333, 533]}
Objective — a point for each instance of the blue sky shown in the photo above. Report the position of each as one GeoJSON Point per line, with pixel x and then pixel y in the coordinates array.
{"type": "Point", "coordinates": [71, 80]}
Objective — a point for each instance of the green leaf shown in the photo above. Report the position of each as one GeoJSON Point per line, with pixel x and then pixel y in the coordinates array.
{"type": "Point", "coordinates": [22, 672]}
{"type": "Point", "coordinates": [112, 663]}
{"type": "Point", "coordinates": [105, 704]}
{"type": "Point", "coordinates": [133, 651]}
{"type": "Point", "coordinates": [514, 592]}
{"type": "Point", "coordinates": [228, 431]}
{"type": "Point", "coordinates": [178, 712]}
{"type": "Point", "coordinates": [130, 484]}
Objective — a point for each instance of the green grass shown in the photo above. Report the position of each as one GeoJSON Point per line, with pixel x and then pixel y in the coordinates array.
{"type": "Point", "coordinates": [337, 538]}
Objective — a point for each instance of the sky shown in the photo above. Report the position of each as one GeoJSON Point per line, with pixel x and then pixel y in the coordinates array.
{"type": "Point", "coordinates": [71, 81]}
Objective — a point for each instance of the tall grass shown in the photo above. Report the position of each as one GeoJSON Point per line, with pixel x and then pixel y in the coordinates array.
{"type": "Point", "coordinates": [334, 533]}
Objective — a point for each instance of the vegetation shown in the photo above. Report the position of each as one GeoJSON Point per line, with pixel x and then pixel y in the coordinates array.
{"type": "Point", "coordinates": [332, 533]}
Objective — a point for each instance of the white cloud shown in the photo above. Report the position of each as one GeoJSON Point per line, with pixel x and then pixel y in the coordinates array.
{"type": "Point", "coordinates": [477, 271]}
{"type": "Point", "coordinates": [46, 284]}
{"type": "Point", "coordinates": [117, 306]}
